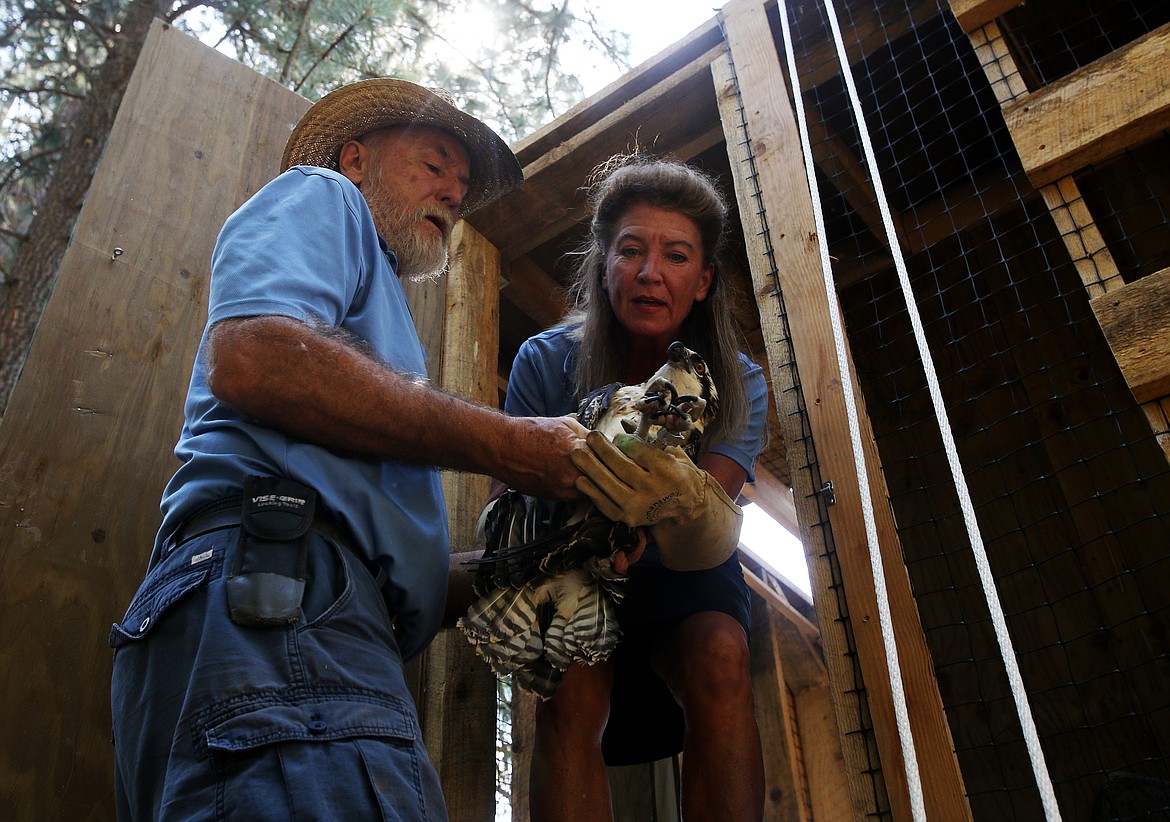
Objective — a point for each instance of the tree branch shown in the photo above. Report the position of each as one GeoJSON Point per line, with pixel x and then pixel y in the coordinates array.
{"type": "Point", "coordinates": [337, 42]}
{"type": "Point", "coordinates": [296, 46]}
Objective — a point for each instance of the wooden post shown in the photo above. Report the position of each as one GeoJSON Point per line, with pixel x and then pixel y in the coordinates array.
{"type": "Point", "coordinates": [785, 198]}
{"type": "Point", "coordinates": [457, 316]}
{"type": "Point", "coordinates": [86, 445]}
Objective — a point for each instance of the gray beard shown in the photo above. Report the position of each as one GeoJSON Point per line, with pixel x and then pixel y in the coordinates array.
{"type": "Point", "coordinates": [420, 256]}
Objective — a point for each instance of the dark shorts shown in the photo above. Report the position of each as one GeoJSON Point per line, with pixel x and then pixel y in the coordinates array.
{"type": "Point", "coordinates": [307, 721]}
{"type": "Point", "coordinates": [645, 722]}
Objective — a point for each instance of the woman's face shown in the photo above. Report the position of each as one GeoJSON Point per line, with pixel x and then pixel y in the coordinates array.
{"type": "Point", "coordinates": [654, 272]}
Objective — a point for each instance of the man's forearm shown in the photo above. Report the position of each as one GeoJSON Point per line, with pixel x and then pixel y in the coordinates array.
{"type": "Point", "coordinates": [318, 388]}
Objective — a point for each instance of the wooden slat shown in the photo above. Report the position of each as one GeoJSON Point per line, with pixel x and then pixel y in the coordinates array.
{"type": "Point", "coordinates": [997, 63]}
{"type": "Point", "coordinates": [782, 607]}
{"type": "Point", "coordinates": [1136, 322]}
{"type": "Point", "coordinates": [821, 747]}
{"type": "Point", "coordinates": [786, 199]}
{"type": "Point", "coordinates": [775, 498]}
{"type": "Point", "coordinates": [523, 739]}
{"type": "Point", "coordinates": [1082, 239]}
{"type": "Point", "coordinates": [658, 69]}
{"type": "Point", "coordinates": [972, 14]}
{"type": "Point", "coordinates": [846, 702]}
{"type": "Point", "coordinates": [86, 444]}
{"type": "Point", "coordinates": [1115, 102]}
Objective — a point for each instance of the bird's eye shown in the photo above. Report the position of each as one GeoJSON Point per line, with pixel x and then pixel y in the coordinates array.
{"type": "Point", "coordinates": [700, 367]}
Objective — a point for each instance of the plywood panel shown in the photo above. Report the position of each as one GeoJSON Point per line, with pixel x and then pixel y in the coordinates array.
{"type": "Point", "coordinates": [86, 444]}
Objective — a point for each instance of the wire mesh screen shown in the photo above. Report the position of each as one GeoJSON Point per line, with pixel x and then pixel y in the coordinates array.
{"type": "Point", "coordinates": [1070, 485]}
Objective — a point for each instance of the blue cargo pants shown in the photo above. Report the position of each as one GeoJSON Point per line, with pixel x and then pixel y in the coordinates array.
{"type": "Point", "coordinates": [311, 721]}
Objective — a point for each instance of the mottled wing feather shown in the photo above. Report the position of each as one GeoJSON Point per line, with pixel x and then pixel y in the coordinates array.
{"type": "Point", "coordinates": [546, 581]}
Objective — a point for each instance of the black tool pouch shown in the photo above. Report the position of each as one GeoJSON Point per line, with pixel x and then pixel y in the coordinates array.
{"type": "Point", "coordinates": [267, 578]}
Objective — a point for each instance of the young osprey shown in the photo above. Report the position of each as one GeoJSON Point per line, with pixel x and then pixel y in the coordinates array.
{"type": "Point", "coordinates": [546, 581]}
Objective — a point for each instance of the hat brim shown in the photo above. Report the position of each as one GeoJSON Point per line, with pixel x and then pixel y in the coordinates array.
{"type": "Point", "coordinates": [356, 109]}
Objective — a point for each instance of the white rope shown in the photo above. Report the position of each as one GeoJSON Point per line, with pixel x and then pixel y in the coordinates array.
{"type": "Point", "coordinates": [885, 619]}
{"type": "Point", "coordinates": [999, 623]}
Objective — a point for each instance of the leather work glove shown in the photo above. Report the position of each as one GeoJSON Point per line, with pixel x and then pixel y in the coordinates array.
{"type": "Point", "coordinates": [689, 514]}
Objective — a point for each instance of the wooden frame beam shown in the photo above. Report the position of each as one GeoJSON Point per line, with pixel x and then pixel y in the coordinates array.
{"type": "Point", "coordinates": [972, 14]}
{"type": "Point", "coordinates": [457, 317]}
{"type": "Point", "coordinates": [1115, 102]}
{"type": "Point", "coordinates": [783, 190]}
{"type": "Point", "coordinates": [1136, 322]}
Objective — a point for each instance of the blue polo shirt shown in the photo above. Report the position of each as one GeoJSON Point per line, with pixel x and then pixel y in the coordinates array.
{"type": "Point", "coordinates": [305, 247]}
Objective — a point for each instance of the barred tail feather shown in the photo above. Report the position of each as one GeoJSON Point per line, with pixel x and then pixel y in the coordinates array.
{"type": "Point", "coordinates": [536, 632]}
{"type": "Point", "coordinates": [538, 678]}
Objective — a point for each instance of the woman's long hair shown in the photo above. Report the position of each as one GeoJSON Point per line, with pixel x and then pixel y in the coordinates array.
{"type": "Point", "coordinates": [614, 187]}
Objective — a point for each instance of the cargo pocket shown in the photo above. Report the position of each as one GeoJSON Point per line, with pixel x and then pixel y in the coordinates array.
{"type": "Point", "coordinates": [341, 757]}
{"type": "Point", "coordinates": [161, 589]}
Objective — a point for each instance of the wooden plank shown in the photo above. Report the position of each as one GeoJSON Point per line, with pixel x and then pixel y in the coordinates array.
{"type": "Point", "coordinates": [997, 63]}
{"type": "Point", "coordinates": [523, 738]}
{"type": "Point", "coordinates": [823, 762]}
{"type": "Point", "coordinates": [782, 608]}
{"type": "Point", "coordinates": [806, 688]}
{"type": "Point", "coordinates": [457, 705]}
{"type": "Point", "coordinates": [775, 498]}
{"type": "Point", "coordinates": [783, 770]}
{"type": "Point", "coordinates": [86, 446]}
{"type": "Point", "coordinates": [1136, 322]}
{"type": "Point", "coordinates": [658, 69]}
{"type": "Point", "coordinates": [1115, 102]}
{"type": "Point", "coordinates": [534, 292]}
{"type": "Point", "coordinates": [672, 116]}
{"type": "Point", "coordinates": [1081, 237]}
{"type": "Point", "coordinates": [785, 196]}
{"type": "Point", "coordinates": [846, 701]}
{"type": "Point", "coordinates": [972, 14]}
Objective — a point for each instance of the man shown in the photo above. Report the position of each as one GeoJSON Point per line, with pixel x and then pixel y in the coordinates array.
{"type": "Point", "coordinates": [303, 551]}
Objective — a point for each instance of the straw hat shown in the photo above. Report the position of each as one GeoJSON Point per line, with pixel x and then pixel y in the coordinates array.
{"type": "Point", "coordinates": [359, 108]}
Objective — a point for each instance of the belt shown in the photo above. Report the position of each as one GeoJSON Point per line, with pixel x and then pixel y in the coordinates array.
{"type": "Point", "coordinates": [228, 513]}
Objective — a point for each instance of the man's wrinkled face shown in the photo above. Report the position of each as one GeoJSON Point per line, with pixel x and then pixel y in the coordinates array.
{"type": "Point", "coordinates": [414, 182]}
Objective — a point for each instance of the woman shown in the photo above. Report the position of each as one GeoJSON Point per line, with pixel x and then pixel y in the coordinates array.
{"type": "Point", "coordinates": [648, 276]}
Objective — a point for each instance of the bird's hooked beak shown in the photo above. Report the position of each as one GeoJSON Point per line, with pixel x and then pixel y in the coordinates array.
{"type": "Point", "coordinates": [677, 352]}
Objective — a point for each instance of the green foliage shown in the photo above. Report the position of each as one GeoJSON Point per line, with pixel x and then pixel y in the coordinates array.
{"type": "Point", "coordinates": [510, 74]}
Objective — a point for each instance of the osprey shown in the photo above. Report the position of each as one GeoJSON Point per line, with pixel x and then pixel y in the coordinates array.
{"type": "Point", "coordinates": [546, 581]}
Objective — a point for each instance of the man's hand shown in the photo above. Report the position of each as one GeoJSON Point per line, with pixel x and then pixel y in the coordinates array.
{"type": "Point", "coordinates": [689, 514]}
{"type": "Point", "coordinates": [538, 461]}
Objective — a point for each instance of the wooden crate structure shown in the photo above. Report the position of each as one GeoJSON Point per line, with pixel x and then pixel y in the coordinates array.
{"type": "Point", "coordinates": [1021, 199]}
{"type": "Point", "coordinates": [1028, 199]}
